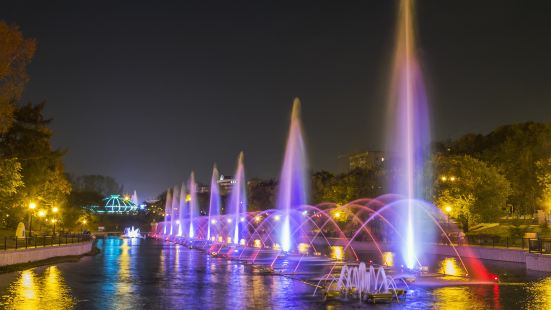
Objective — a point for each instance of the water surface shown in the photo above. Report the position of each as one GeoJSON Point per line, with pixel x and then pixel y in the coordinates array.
{"type": "Point", "coordinates": [151, 274]}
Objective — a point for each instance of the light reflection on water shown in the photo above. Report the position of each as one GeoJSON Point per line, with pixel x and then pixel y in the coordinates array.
{"type": "Point", "coordinates": [138, 274]}
{"type": "Point", "coordinates": [32, 290]}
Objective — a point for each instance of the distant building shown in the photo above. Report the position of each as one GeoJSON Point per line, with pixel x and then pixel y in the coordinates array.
{"type": "Point", "coordinates": [366, 160]}
{"type": "Point", "coordinates": [225, 183]}
{"type": "Point", "coordinates": [203, 189]}
{"type": "Point", "coordinates": [116, 204]}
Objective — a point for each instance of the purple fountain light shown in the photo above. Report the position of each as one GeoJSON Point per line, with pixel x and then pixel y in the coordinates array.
{"type": "Point", "coordinates": [193, 204]}
{"type": "Point", "coordinates": [168, 206]}
{"type": "Point", "coordinates": [238, 199]}
{"type": "Point", "coordinates": [181, 210]}
{"type": "Point", "coordinates": [214, 204]}
{"type": "Point", "coordinates": [174, 211]}
{"type": "Point", "coordinates": [410, 138]}
{"type": "Point", "coordinates": [293, 188]}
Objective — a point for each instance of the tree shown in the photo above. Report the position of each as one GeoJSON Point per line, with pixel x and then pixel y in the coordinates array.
{"type": "Point", "coordinates": [514, 150]}
{"type": "Point", "coordinates": [346, 187]}
{"type": "Point", "coordinates": [16, 53]}
{"type": "Point", "coordinates": [262, 194]}
{"type": "Point", "coordinates": [101, 184]}
{"type": "Point", "coordinates": [543, 173]}
{"type": "Point", "coordinates": [475, 191]}
{"type": "Point", "coordinates": [28, 141]}
{"type": "Point", "coordinates": [10, 182]}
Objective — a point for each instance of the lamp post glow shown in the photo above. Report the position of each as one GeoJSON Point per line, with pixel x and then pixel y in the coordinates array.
{"type": "Point", "coordinates": [32, 206]}
{"type": "Point", "coordinates": [448, 210]}
{"type": "Point", "coordinates": [54, 219]}
{"type": "Point", "coordinates": [41, 214]}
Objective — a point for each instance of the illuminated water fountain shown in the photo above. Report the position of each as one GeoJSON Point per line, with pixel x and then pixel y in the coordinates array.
{"type": "Point", "coordinates": [193, 205]}
{"type": "Point", "coordinates": [237, 205]}
{"type": "Point", "coordinates": [182, 210]}
{"type": "Point", "coordinates": [409, 140]}
{"type": "Point", "coordinates": [168, 205]}
{"type": "Point", "coordinates": [131, 232]}
{"type": "Point", "coordinates": [292, 181]}
{"type": "Point", "coordinates": [214, 203]}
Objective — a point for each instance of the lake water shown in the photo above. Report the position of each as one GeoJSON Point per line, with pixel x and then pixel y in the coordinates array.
{"type": "Point", "coordinates": [151, 274]}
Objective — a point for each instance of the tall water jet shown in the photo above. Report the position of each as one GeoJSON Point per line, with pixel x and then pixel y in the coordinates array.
{"type": "Point", "coordinates": [134, 199]}
{"type": "Point", "coordinates": [168, 206]}
{"type": "Point", "coordinates": [409, 142]}
{"type": "Point", "coordinates": [293, 188]}
{"type": "Point", "coordinates": [238, 199]}
{"type": "Point", "coordinates": [214, 202]}
{"type": "Point", "coordinates": [193, 204]}
{"type": "Point", "coordinates": [174, 212]}
{"type": "Point", "coordinates": [181, 210]}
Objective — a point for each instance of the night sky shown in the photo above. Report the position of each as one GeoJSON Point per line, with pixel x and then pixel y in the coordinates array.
{"type": "Point", "coordinates": [145, 91]}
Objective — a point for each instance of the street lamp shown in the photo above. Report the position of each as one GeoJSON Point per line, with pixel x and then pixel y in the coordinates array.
{"type": "Point", "coordinates": [54, 219]}
{"type": "Point", "coordinates": [448, 210]}
{"type": "Point", "coordinates": [41, 214]}
{"type": "Point", "coordinates": [82, 226]}
{"type": "Point", "coordinates": [32, 206]}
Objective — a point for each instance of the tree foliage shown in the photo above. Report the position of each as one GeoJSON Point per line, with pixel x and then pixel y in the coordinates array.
{"type": "Point", "coordinates": [349, 186]}
{"type": "Point", "coordinates": [101, 184]}
{"type": "Point", "coordinates": [41, 167]}
{"type": "Point", "coordinates": [475, 191]}
{"type": "Point", "coordinates": [543, 174]}
{"type": "Point", "coordinates": [262, 194]}
{"type": "Point", "coordinates": [16, 53]}
{"type": "Point", "coordinates": [514, 150]}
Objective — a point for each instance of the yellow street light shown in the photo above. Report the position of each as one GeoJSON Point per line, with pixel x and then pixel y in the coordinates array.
{"type": "Point", "coordinates": [84, 222]}
{"type": "Point", "coordinates": [448, 210]}
{"type": "Point", "coordinates": [32, 205]}
{"type": "Point", "coordinates": [337, 214]}
{"type": "Point", "coordinates": [55, 209]}
{"type": "Point", "coordinates": [42, 213]}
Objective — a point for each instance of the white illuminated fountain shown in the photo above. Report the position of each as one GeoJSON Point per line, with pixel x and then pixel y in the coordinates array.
{"type": "Point", "coordinates": [366, 283]}
{"type": "Point", "coordinates": [131, 232]}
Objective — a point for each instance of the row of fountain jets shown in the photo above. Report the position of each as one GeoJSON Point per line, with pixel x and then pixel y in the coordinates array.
{"type": "Point", "coordinates": [409, 138]}
{"type": "Point", "coordinates": [182, 208]}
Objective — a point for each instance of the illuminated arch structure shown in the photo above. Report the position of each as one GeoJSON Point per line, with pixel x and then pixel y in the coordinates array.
{"type": "Point", "coordinates": [116, 204]}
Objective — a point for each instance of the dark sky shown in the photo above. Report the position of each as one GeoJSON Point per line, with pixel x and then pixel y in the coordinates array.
{"type": "Point", "coordinates": [145, 91]}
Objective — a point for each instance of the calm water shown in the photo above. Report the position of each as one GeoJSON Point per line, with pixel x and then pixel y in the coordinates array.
{"type": "Point", "coordinates": [150, 274]}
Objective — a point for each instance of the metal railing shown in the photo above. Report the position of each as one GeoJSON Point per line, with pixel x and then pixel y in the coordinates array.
{"type": "Point", "coordinates": [542, 246]}
{"type": "Point", "coordinates": [488, 241]}
{"type": "Point", "coordinates": [13, 243]}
